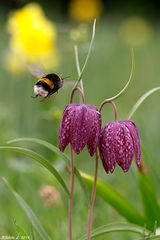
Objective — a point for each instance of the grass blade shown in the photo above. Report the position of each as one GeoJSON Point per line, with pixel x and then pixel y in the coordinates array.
{"type": "Point", "coordinates": [43, 143]}
{"type": "Point", "coordinates": [150, 203]}
{"type": "Point", "coordinates": [141, 100]}
{"type": "Point", "coordinates": [56, 150]}
{"type": "Point", "coordinates": [88, 54]}
{"type": "Point", "coordinates": [152, 237]}
{"type": "Point", "coordinates": [78, 66]}
{"type": "Point", "coordinates": [117, 201]}
{"type": "Point", "coordinates": [29, 213]}
{"type": "Point", "coordinates": [38, 158]}
{"type": "Point", "coordinates": [21, 233]}
{"type": "Point", "coordinates": [121, 227]}
{"type": "Point", "coordinates": [148, 159]}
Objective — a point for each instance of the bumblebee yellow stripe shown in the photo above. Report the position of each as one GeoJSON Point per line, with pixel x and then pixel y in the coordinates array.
{"type": "Point", "coordinates": [48, 81]}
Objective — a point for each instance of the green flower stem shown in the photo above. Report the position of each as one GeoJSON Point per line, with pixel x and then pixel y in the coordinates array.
{"type": "Point", "coordinates": [141, 100]}
{"type": "Point", "coordinates": [93, 194]}
{"type": "Point", "coordinates": [78, 66]}
{"type": "Point", "coordinates": [113, 105]}
{"type": "Point", "coordinates": [129, 80]}
{"type": "Point", "coordinates": [81, 93]}
{"type": "Point", "coordinates": [92, 200]}
{"type": "Point", "coordinates": [88, 54]}
{"type": "Point", "coordinates": [71, 195]}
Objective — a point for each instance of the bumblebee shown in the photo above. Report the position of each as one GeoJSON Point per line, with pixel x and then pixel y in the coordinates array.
{"type": "Point", "coordinates": [46, 84]}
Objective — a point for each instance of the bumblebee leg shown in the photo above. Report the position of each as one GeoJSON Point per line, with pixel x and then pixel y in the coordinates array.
{"type": "Point", "coordinates": [44, 98]}
{"type": "Point", "coordinates": [34, 96]}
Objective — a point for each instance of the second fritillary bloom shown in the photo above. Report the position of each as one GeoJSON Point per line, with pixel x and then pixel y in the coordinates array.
{"type": "Point", "coordinates": [119, 142]}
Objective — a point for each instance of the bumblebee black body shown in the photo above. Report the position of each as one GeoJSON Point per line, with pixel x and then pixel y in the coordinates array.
{"type": "Point", "coordinates": [48, 85]}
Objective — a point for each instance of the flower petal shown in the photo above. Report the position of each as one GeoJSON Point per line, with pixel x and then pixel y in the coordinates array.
{"type": "Point", "coordinates": [125, 148]}
{"type": "Point", "coordinates": [136, 140]}
{"type": "Point", "coordinates": [80, 128]}
{"type": "Point", "coordinates": [95, 131]}
{"type": "Point", "coordinates": [107, 149]}
{"type": "Point", "coordinates": [64, 129]}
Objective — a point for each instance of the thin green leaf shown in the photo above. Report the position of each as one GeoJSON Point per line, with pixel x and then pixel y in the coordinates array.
{"type": "Point", "coordinates": [121, 227]}
{"type": "Point", "coordinates": [88, 54]}
{"type": "Point", "coordinates": [43, 143]}
{"type": "Point", "coordinates": [149, 159]}
{"type": "Point", "coordinates": [117, 201]}
{"type": "Point", "coordinates": [155, 228]}
{"type": "Point", "coordinates": [149, 238]}
{"type": "Point", "coordinates": [29, 213]}
{"type": "Point", "coordinates": [21, 232]}
{"type": "Point", "coordinates": [78, 66]}
{"type": "Point", "coordinates": [31, 234]}
{"type": "Point", "coordinates": [55, 150]}
{"type": "Point", "coordinates": [150, 203]}
{"type": "Point", "coordinates": [38, 158]}
{"type": "Point", "coordinates": [141, 100]}
{"type": "Point", "coordinates": [127, 84]}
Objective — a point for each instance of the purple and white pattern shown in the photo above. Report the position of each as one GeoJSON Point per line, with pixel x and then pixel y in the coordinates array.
{"type": "Point", "coordinates": [80, 126]}
{"type": "Point", "coordinates": [118, 143]}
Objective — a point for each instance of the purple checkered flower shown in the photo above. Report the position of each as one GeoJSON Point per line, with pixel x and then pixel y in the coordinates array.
{"type": "Point", "coordinates": [118, 143]}
{"type": "Point", "coordinates": [80, 126]}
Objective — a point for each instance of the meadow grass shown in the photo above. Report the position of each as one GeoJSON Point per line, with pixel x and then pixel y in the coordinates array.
{"type": "Point", "coordinates": [106, 73]}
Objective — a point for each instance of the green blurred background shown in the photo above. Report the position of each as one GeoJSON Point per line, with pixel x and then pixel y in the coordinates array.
{"type": "Point", "coordinates": [120, 26]}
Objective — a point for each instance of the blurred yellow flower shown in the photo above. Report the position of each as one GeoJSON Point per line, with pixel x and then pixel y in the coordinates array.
{"type": "Point", "coordinates": [13, 64]}
{"type": "Point", "coordinates": [85, 10]}
{"type": "Point", "coordinates": [32, 36]}
{"type": "Point", "coordinates": [135, 31]}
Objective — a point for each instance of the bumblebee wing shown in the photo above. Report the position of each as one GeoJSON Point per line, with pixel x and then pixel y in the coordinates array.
{"type": "Point", "coordinates": [68, 83]}
{"type": "Point", "coordinates": [35, 70]}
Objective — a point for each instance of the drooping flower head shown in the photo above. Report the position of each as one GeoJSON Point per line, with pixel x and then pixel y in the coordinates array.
{"type": "Point", "coordinates": [80, 126]}
{"type": "Point", "coordinates": [119, 142]}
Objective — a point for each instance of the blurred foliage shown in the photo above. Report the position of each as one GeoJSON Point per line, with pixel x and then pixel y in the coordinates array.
{"type": "Point", "coordinates": [106, 73]}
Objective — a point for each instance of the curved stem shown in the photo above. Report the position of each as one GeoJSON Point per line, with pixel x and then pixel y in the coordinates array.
{"type": "Point", "coordinates": [92, 200]}
{"type": "Point", "coordinates": [78, 66]}
{"type": "Point", "coordinates": [129, 80]}
{"type": "Point", "coordinates": [80, 91]}
{"type": "Point", "coordinates": [71, 196]}
{"type": "Point", "coordinates": [113, 105]}
{"type": "Point", "coordinates": [141, 100]}
{"type": "Point", "coordinates": [88, 54]}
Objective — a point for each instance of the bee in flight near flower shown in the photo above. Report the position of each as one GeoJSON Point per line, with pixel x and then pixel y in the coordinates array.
{"type": "Point", "coordinates": [47, 84]}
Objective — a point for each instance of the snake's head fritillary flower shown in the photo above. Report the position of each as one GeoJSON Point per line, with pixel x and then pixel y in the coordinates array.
{"type": "Point", "coordinates": [118, 143]}
{"type": "Point", "coordinates": [80, 126]}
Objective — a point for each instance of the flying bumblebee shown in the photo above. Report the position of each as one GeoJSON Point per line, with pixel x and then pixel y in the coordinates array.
{"type": "Point", "coordinates": [46, 84]}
